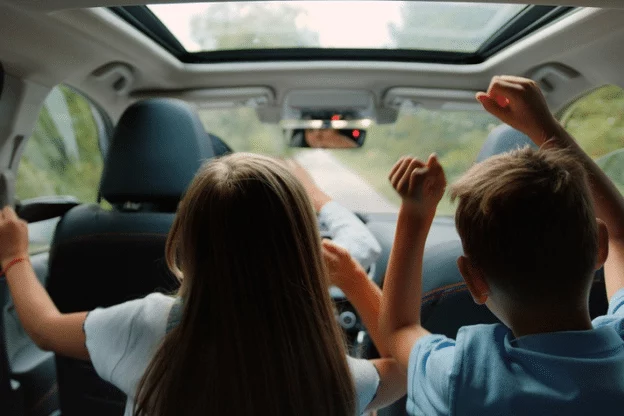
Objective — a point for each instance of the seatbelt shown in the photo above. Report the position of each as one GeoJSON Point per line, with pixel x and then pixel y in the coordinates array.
{"type": "Point", "coordinates": [11, 397]}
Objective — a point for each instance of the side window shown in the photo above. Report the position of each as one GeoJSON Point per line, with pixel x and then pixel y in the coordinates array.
{"type": "Point", "coordinates": [597, 122]}
{"type": "Point", "coordinates": [62, 157]}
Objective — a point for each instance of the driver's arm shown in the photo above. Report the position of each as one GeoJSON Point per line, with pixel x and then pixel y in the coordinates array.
{"type": "Point", "coordinates": [349, 232]}
{"type": "Point", "coordinates": [344, 227]}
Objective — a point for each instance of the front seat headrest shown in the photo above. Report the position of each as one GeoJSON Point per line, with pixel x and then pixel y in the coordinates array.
{"type": "Point", "coordinates": [156, 149]}
{"type": "Point", "coordinates": [503, 139]}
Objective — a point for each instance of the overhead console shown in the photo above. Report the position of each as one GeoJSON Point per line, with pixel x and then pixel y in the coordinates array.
{"type": "Point", "coordinates": [327, 118]}
{"type": "Point", "coordinates": [310, 108]}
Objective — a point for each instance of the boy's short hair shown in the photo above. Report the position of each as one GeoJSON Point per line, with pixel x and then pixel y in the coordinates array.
{"type": "Point", "coordinates": [526, 219]}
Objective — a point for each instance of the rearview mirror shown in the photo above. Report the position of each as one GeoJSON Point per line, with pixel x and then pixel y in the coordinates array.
{"type": "Point", "coordinates": [328, 138]}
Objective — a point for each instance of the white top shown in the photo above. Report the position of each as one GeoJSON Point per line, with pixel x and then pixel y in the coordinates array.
{"type": "Point", "coordinates": [122, 340]}
{"type": "Point", "coordinates": [346, 230]}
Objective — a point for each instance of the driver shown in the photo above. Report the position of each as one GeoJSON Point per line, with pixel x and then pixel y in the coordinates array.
{"type": "Point", "coordinates": [344, 227]}
{"type": "Point", "coordinates": [328, 139]}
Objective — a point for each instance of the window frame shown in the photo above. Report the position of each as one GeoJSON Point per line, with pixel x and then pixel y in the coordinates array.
{"type": "Point", "coordinates": [104, 128]}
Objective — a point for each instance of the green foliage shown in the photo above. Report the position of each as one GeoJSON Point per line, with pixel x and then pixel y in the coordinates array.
{"type": "Point", "coordinates": [597, 120]}
{"type": "Point", "coordinates": [456, 137]}
{"type": "Point", "coordinates": [447, 27]}
{"type": "Point", "coordinates": [46, 167]}
{"type": "Point", "coordinates": [243, 132]}
{"type": "Point", "coordinates": [251, 25]}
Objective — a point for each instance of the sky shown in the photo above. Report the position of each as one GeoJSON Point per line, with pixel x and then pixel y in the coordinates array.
{"type": "Point", "coordinates": [328, 18]}
{"type": "Point", "coordinates": [343, 24]}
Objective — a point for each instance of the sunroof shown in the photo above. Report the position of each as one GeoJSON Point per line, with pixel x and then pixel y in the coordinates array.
{"type": "Point", "coordinates": [402, 31]}
{"type": "Point", "coordinates": [369, 25]}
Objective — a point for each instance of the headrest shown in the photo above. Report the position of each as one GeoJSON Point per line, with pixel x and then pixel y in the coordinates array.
{"type": "Point", "coordinates": [503, 139]}
{"type": "Point", "coordinates": [156, 149]}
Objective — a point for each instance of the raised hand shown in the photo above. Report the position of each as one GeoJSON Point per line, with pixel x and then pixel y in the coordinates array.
{"type": "Point", "coordinates": [420, 185]}
{"type": "Point", "coordinates": [520, 103]}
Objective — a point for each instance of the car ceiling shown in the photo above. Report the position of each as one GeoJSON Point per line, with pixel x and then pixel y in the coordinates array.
{"type": "Point", "coordinates": [52, 41]}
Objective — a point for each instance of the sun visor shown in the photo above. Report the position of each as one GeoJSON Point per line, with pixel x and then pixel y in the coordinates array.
{"type": "Point", "coordinates": [433, 99]}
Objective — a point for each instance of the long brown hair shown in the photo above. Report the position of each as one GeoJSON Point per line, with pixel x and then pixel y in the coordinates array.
{"type": "Point", "coordinates": [257, 333]}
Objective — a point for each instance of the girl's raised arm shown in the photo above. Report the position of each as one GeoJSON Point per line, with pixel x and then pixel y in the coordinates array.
{"type": "Point", "coordinates": [50, 329]}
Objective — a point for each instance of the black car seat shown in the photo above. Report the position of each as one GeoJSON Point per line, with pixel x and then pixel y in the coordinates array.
{"type": "Point", "coordinates": [503, 139]}
{"type": "Point", "coordinates": [102, 257]}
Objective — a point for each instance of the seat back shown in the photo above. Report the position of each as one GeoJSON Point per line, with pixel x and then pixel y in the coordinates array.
{"type": "Point", "coordinates": [503, 139]}
{"type": "Point", "coordinates": [99, 257]}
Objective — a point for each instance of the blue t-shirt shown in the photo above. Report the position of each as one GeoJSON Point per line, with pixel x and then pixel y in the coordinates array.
{"type": "Point", "coordinates": [488, 372]}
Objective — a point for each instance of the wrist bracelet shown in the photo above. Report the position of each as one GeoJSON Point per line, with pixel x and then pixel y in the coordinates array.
{"type": "Point", "coordinates": [11, 264]}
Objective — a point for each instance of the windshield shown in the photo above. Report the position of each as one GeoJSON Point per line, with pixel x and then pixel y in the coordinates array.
{"type": "Point", "coordinates": [431, 26]}
{"type": "Point", "coordinates": [358, 178]}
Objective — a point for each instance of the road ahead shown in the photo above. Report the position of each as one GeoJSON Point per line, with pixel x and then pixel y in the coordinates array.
{"type": "Point", "coordinates": [342, 184]}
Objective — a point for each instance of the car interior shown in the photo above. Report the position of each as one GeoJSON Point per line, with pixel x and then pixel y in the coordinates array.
{"type": "Point", "coordinates": [109, 107]}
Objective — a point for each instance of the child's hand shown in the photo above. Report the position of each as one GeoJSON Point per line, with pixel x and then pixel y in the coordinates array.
{"type": "Point", "coordinates": [519, 102]}
{"type": "Point", "coordinates": [342, 268]}
{"type": "Point", "coordinates": [13, 236]}
{"type": "Point", "coordinates": [420, 185]}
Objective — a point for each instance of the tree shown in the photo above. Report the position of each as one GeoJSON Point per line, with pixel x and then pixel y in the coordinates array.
{"type": "Point", "coordinates": [447, 26]}
{"type": "Point", "coordinates": [252, 25]}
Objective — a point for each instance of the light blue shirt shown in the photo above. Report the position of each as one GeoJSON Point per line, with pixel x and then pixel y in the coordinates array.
{"type": "Point", "coordinates": [488, 372]}
{"type": "Point", "coordinates": [122, 340]}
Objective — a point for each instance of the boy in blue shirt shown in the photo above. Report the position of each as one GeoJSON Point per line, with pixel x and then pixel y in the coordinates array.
{"type": "Point", "coordinates": [531, 240]}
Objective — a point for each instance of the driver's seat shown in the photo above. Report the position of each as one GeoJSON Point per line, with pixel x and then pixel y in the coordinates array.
{"type": "Point", "coordinates": [104, 257]}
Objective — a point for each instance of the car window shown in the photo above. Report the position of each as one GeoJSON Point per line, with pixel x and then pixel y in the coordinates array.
{"type": "Point", "coordinates": [597, 122]}
{"type": "Point", "coordinates": [62, 156]}
{"type": "Point", "coordinates": [358, 178]}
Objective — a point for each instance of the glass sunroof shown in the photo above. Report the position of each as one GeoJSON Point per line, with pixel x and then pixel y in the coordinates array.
{"type": "Point", "coordinates": [385, 25]}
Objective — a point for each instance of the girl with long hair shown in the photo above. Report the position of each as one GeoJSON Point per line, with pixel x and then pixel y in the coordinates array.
{"type": "Point", "coordinates": [251, 330]}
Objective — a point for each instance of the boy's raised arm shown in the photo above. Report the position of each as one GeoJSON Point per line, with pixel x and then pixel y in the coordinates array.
{"type": "Point", "coordinates": [421, 186]}
{"type": "Point", "coordinates": [520, 103]}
